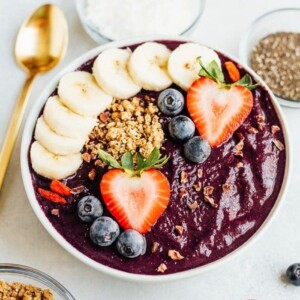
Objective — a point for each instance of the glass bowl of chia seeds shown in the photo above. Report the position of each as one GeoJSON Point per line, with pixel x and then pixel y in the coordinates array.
{"type": "Point", "coordinates": [271, 47]}
{"type": "Point", "coordinates": [106, 21]}
{"type": "Point", "coordinates": [22, 281]}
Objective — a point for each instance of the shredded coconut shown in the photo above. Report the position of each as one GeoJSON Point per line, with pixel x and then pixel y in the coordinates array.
{"type": "Point", "coordinates": [130, 18]}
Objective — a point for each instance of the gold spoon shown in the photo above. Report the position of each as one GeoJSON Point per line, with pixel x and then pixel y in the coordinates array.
{"type": "Point", "coordinates": [41, 43]}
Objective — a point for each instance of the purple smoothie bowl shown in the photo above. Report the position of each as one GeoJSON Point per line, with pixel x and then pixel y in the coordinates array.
{"type": "Point", "coordinates": [224, 232]}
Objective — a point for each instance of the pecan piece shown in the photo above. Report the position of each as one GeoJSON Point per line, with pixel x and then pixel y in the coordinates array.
{"type": "Point", "coordinates": [192, 205]}
{"type": "Point", "coordinates": [175, 255]}
{"type": "Point", "coordinates": [275, 128]}
{"type": "Point", "coordinates": [161, 268]}
{"type": "Point", "coordinates": [210, 201]}
{"type": "Point", "coordinates": [155, 247]}
{"type": "Point", "coordinates": [183, 177]}
{"type": "Point", "coordinates": [179, 229]}
{"type": "Point", "coordinates": [278, 145]}
{"type": "Point", "coordinates": [92, 174]}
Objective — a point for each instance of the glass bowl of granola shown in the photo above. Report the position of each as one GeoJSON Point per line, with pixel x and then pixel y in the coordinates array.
{"type": "Point", "coordinates": [24, 282]}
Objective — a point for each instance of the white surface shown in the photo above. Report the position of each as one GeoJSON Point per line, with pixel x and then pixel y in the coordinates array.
{"type": "Point", "coordinates": [253, 275]}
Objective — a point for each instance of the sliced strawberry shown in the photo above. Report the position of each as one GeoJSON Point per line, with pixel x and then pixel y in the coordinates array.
{"type": "Point", "coordinates": [136, 202]}
{"type": "Point", "coordinates": [218, 111]}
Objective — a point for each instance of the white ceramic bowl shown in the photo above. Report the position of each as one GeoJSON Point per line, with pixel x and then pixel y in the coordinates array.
{"type": "Point", "coordinates": [26, 141]}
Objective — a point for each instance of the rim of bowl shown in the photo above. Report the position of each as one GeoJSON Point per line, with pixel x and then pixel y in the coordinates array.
{"type": "Point", "coordinates": [40, 276]}
{"type": "Point", "coordinates": [91, 27]}
{"type": "Point", "coordinates": [244, 51]}
{"type": "Point", "coordinates": [27, 180]}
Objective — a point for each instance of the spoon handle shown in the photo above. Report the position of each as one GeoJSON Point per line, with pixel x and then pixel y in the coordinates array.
{"type": "Point", "coordinates": [13, 128]}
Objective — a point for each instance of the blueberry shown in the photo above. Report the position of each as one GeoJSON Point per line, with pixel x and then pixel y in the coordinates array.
{"type": "Point", "coordinates": [293, 274]}
{"type": "Point", "coordinates": [181, 128]}
{"type": "Point", "coordinates": [104, 231]}
{"type": "Point", "coordinates": [89, 208]}
{"type": "Point", "coordinates": [196, 149]}
{"type": "Point", "coordinates": [131, 244]}
{"type": "Point", "coordinates": [170, 102]}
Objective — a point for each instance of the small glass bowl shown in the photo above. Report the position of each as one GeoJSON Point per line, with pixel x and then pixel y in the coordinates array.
{"type": "Point", "coordinates": [285, 19]}
{"type": "Point", "coordinates": [101, 38]}
{"type": "Point", "coordinates": [17, 273]}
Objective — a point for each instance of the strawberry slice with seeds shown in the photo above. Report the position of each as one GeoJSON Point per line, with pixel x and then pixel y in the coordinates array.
{"type": "Point", "coordinates": [217, 108]}
{"type": "Point", "coordinates": [136, 197]}
{"type": "Point", "coordinates": [135, 202]}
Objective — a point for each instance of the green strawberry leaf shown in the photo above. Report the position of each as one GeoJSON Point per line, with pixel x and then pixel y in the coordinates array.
{"type": "Point", "coordinates": [127, 161]}
{"type": "Point", "coordinates": [152, 159]}
{"type": "Point", "coordinates": [108, 159]}
{"type": "Point", "coordinates": [211, 71]}
{"type": "Point", "coordinates": [246, 81]}
{"type": "Point", "coordinates": [140, 160]}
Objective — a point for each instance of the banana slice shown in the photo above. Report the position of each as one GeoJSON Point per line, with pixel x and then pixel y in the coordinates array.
{"type": "Point", "coordinates": [148, 66]}
{"type": "Point", "coordinates": [110, 71]}
{"type": "Point", "coordinates": [81, 94]}
{"type": "Point", "coordinates": [183, 66]}
{"type": "Point", "coordinates": [53, 166]}
{"type": "Point", "coordinates": [66, 123]}
{"type": "Point", "coordinates": [55, 143]}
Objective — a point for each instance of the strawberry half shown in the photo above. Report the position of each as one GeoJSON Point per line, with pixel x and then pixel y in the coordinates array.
{"type": "Point", "coordinates": [217, 108]}
{"type": "Point", "coordinates": [136, 198]}
{"type": "Point", "coordinates": [135, 202]}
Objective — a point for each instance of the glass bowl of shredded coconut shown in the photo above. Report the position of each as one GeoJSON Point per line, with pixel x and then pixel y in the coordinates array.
{"type": "Point", "coordinates": [107, 20]}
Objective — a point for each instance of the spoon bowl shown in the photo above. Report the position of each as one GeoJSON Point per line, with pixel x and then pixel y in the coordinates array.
{"type": "Point", "coordinates": [42, 40]}
{"type": "Point", "coordinates": [41, 44]}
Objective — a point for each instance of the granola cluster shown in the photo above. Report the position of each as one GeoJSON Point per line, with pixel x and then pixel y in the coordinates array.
{"type": "Point", "coordinates": [128, 125]}
{"type": "Point", "coordinates": [19, 291]}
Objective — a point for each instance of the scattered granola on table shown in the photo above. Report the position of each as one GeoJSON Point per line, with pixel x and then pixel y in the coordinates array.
{"type": "Point", "coordinates": [20, 291]}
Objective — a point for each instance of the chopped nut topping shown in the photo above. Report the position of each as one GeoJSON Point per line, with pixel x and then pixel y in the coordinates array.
{"type": "Point", "coordinates": [183, 177]}
{"type": "Point", "coordinates": [92, 174]}
{"type": "Point", "coordinates": [239, 164]}
{"type": "Point", "coordinates": [155, 247]}
{"type": "Point", "coordinates": [199, 173]}
{"type": "Point", "coordinates": [210, 201]}
{"type": "Point", "coordinates": [261, 127]}
{"type": "Point", "coordinates": [240, 136]}
{"type": "Point", "coordinates": [78, 190]}
{"type": "Point", "coordinates": [179, 229]}
{"type": "Point", "coordinates": [275, 128]}
{"type": "Point", "coordinates": [192, 205]}
{"type": "Point", "coordinates": [55, 212]}
{"type": "Point", "coordinates": [260, 118]}
{"type": "Point", "coordinates": [226, 187]}
{"type": "Point", "coordinates": [198, 187]}
{"type": "Point", "coordinates": [86, 157]}
{"type": "Point", "coordinates": [18, 291]}
{"type": "Point", "coordinates": [238, 153]}
{"type": "Point", "coordinates": [131, 125]}
{"type": "Point", "coordinates": [183, 193]}
{"type": "Point", "coordinates": [175, 255]}
{"type": "Point", "coordinates": [239, 146]}
{"type": "Point", "coordinates": [99, 163]}
{"type": "Point", "coordinates": [278, 145]}
{"type": "Point", "coordinates": [161, 268]}
{"type": "Point", "coordinates": [208, 190]}
{"type": "Point", "coordinates": [252, 130]}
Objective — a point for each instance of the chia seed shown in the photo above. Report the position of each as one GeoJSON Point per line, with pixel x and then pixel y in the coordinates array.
{"type": "Point", "coordinates": [276, 58]}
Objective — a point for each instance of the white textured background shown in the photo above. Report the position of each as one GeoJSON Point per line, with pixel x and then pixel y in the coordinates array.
{"type": "Point", "coordinates": [252, 275]}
